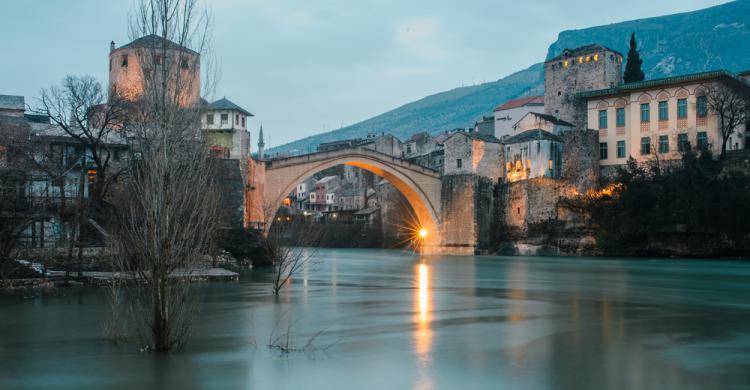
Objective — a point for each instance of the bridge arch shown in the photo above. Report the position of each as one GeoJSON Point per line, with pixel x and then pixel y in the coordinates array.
{"type": "Point", "coordinates": [420, 186]}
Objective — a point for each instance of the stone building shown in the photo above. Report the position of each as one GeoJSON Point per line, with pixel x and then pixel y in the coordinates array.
{"type": "Point", "coordinates": [351, 199]}
{"type": "Point", "coordinates": [586, 68]}
{"type": "Point", "coordinates": [138, 66]}
{"type": "Point", "coordinates": [419, 144]}
{"type": "Point", "coordinates": [661, 117]}
{"type": "Point", "coordinates": [485, 126]}
{"type": "Point", "coordinates": [323, 198]}
{"type": "Point", "coordinates": [473, 153]}
{"type": "Point", "coordinates": [533, 153]}
{"type": "Point", "coordinates": [225, 124]}
{"type": "Point", "coordinates": [510, 112]}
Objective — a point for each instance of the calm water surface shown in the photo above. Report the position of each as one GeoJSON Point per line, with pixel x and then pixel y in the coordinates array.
{"type": "Point", "coordinates": [393, 320]}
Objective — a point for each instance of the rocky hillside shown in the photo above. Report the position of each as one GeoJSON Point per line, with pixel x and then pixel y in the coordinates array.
{"type": "Point", "coordinates": [711, 38]}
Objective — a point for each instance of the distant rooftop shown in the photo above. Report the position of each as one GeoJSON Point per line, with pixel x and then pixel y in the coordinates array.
{"type": "Point", "coordinates": [552, 119]}
{"type": "Point", "coordinates": [532, 135]}
{"type": "Point", "coordinates": [520, 102]}
{"type": "Point", "coordinates": [154, 41]}
{"type": "Point", "coordinates": [226, 104]}
{"type": "Point", "coordinates": [12, 102]}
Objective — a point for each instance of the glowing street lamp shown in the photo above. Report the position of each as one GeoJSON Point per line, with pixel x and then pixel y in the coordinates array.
{"type": "Point", "coordinates": [423, 233]}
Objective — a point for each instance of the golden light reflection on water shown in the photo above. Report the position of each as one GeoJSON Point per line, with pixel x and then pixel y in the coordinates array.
{"type": "Point", "coordinates": [422, 319]}
{"type": "Point", "coordinates": [423, 313]}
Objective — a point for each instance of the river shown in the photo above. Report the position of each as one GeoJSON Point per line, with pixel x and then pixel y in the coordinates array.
{"type": "Point", "coordinates": [395, 320]}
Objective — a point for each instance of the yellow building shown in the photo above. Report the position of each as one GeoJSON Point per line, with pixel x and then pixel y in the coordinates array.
{"type": "Point", "coordinates": [661, 117]}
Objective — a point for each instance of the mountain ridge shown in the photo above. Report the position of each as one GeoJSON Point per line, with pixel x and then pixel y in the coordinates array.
{"type": "Point", "coordinates": [689, 42]}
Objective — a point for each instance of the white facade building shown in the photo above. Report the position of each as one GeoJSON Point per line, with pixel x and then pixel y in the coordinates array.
{"type": "Point", "coordinates": [510, 112]}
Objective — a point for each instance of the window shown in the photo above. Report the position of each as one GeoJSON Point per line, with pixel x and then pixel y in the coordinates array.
{"type": "Point", "coordinates": [158, 60]}
{"type": "Point", "coordinates": [663, 144]}
{"type": "Point", "coordinates": [243, 121]}
{"type": "Point", "coordinates": [682, 143]}
{"type": "Point", "coordinates": [224, 119]}
{"type": "Point", "coordinates": [210, 119]}
{"type": "Point", "coordinates": [602, 119]}
{"type": "Point", "coordinates": [603, 151]}
{"type": "Point", "coordinates": [701, 106]}
{"type": "Point", "coordinates": [620, 149]}
{"type": "Point", "coordinates": [645, 112]}
{"type": "Point", "coordinates": [620, 117]}
{"type": "Point", "coordinates": [459, 163]}
{"type": "Point", "coordinates": [682, 108]}
{"type": "Point", "coordinates": [408, 148]}
{"type": "Point", "coordinates": [538, 147]}
{"type": "Point", "coordinates": [124, 61]}
{"type": "Point", "coordinates": [237, 118]}
{"type": "Point", "coordinates": [702, 140]}
{"type": "Point", "coordinates": [645, 145]}
{"type": "Point", "coordinates": [184, 62]}
{"type": "Point", "coordinates": [663, 111]}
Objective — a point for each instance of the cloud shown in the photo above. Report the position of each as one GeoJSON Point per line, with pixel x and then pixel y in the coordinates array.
{"type": "Point", "coordinates": [421, 37]}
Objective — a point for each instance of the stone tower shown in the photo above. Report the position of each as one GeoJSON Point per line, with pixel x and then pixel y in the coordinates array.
{"type": "Point", "coordinates": [139, 64]}
{"type": "Point", "coordinates": [582, 69]}
{"type": "Point", "coordinates": [261, 144]}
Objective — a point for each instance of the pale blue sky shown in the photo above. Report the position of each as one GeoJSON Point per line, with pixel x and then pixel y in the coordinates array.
{"type": "Point", "coordinates": [303, 67]}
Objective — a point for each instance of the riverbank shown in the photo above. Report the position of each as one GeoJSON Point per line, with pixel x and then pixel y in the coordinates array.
{"type": "Point", "coordinates": [57, 279]}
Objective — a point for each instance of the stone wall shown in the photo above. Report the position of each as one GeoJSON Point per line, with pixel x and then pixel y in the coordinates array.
{"type": "Point", "coordinates": [468, 219]}
{"type": "Point", "coordinates": [231, 190]}
{"type": "Point", "coordinates": [580, 166]}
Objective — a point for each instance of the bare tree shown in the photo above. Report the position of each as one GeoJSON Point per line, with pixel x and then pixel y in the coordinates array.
{"type": "Point", "coordinates": [290, 245]}
{"type": "Point", "coordinates": [16, 214]}
{"type": "Point", "coordinates": [85, 111]}
{"type": "Point", "coordinates": [730, 100]}
{"type": "Point", "coordinates": [170, 211]}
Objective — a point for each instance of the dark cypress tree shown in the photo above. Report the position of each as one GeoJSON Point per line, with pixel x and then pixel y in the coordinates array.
{"type": "Point", "coordinates": [633, 71]}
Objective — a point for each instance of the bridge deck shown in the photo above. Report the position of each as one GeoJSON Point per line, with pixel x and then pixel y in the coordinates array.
{"type": "Point", "coordinates": [281, 162]}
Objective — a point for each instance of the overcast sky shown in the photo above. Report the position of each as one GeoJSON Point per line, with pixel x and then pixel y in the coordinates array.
{"type": "Point", "coordinates": [303, 67]}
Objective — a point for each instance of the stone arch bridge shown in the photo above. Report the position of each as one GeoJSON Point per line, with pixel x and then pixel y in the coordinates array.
{"type": "Point", "coordinates": [271, 181]}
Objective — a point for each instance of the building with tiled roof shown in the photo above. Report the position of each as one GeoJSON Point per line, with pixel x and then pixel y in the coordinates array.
{"type": "Point", "coordinates": [532, 153]}
{"type": "Point", "coordinates": [225, 124]}
{"type": "Point", "coordinates": [508, 113]}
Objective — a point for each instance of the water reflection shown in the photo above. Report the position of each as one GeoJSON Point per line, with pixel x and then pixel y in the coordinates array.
{"type": "Point", "coordinates": [422, 319]}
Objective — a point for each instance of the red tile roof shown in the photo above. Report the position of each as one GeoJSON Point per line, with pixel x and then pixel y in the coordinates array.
{"type": "Point", "coordinates": [520, 102]}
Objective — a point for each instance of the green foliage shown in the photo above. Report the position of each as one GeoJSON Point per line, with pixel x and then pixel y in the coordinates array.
{"type": "Point", "coordinates": [690, 209]}
{"type": "Point", "coordinates": [633, 71]}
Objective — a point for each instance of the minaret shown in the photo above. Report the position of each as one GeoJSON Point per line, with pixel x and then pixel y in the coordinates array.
{"type": "Point", "coordinates": [260, 143]}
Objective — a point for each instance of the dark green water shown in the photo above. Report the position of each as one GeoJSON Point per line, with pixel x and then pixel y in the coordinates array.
{"type": "Point", "coordinates": [392, 320]}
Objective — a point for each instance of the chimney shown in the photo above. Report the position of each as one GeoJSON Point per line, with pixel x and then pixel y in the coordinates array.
{"type": "Point", "coordinates": [112, 46]}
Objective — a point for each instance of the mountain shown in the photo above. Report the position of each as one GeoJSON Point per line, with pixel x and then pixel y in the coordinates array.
{"type": "Point", "coordinates": [712, 38]}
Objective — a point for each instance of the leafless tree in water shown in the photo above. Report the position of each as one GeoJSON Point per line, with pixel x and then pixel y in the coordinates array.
{"type": "Point", "coordinates": [170, 206]}
{"type": "Point", "coordinates": [290, 245]}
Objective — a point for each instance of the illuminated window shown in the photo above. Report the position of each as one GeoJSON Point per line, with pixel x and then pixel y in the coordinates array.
{"type": "Point", "coordinates": [549, 163]}
{"type": "Point", "coordinates": [588, 58]}
{"type": "Point", "coordinates": [518, 166]}
{"type": "Point", "coordinates": [580, 60]}
{"type": "Point", "coordinates": [596, 57]}
{"type": "Point", "coordinates": [509, 166]}
{"type": "Point", "coordinates": [565, 63]}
